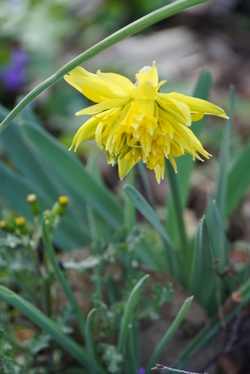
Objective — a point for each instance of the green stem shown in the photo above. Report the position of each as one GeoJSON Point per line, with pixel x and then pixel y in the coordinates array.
{"type": "Point", "coordinates": [169, 333]}
{"type": "Point", "coordinates": [33, 255]}
{"type": "Point", "coordinates": [60, 275]}
{"type": "Point", "coordinates": [148, 190]}
{"type": "Point", "coordinates": [128, 311]}
{"type": "Point", "coordinates": [47, 286]}
{"type": "Point", "coordinates": [129, 209]}
{"type": "Point", "coordinates": [132, 28]}
{"type": "Point", "coordinates": [175, 195]}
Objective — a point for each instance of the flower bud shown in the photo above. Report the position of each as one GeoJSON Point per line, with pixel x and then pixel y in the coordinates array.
{"type": "Point", "coordinates": [7, 226]}
{"type": "Point", "coordinates": [33, 203]}
{"type": "Point", "coordinates": [60, 206]}
{"type": "Point", "coordinates": [21, 225]}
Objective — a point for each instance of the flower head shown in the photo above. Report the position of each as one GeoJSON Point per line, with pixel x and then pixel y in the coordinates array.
{"type": "Point", "coordinates": [134, 121]}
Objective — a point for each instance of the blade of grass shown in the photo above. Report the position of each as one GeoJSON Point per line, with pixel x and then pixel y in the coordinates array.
{"type": "Point", "coordinates": [128, 30]}
{"type": "Point", "coordinates": [238, 180]}
{"type": "Point", "coordinates": [218, 240]}
{"type": "Point", "coordinates": [61, 277]}
{"type": "Point", "coordinates": [147, 211]}
{"type": "Point", "coordinates": [173, 261]}
{"type": "Point", "coordinates": [129, 208]}
{"type": "Point", "coordinates": [132, 348]}
{"type": "Point", "coordinates": [169, 333]}
{"type": "Point", "coordinates": [27, 161]}
{"type": "Point", "coordinates": [11, 183]}
{"type": "Point", "coordinates": [224, 159]}
{"type": "Point", "coordinates": [127, 315]}
{"type": "Point", "coordinates": [202, 280]}
{"type": "Point", "coordinates": [207, 334]}
{"type": "Point", "coordinates": [93, 365]}
{"type": "Point", "coordinates": [178, 212]}
{"type": "Point", "coordinates": [38, 318]}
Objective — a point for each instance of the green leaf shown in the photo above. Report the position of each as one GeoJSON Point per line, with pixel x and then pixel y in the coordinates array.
{"type": "Point", "coordinates": [238, 180]}
{"type": "Point", "coordinates": [224, 160]}
{"type": "Point", "coordinates": [93, 364]}
{"type": "Point", "coordinates": [151, 257]}
{"type": "Point", "coordinates": [41, 320]}
{"type": "Point", "coordinates": [27, 161]}
{"type": "Point", "coordinates": [146, 210]}
{"type": "Point", "coordinates": [73, 174]}
{"type": "Point", "coordinates": [217, 233]}
{"type": "Point", "coordinates": [208, 333]}
{"type": "Point", "coordinates": [14, 188]}
{"type": "Point", "coordinates": [178, 213]}
{"type": "Point", "coordinates": [169, 333]}
{"type": "Point", "coordinates": [69, 235]}
{"type": "Point", "coordinates": [172, 256]}
{"type": "Point", "coordinates": [202, 280]}
{"type": "Point", "coordinates": [127, 315]}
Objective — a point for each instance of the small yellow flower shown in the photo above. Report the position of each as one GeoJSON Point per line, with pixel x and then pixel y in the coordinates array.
{"type": "Point", "coordinates": [135, 122]}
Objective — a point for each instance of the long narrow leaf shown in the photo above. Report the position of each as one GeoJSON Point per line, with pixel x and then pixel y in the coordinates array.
{"type": "Point", "coordinates": [172, 256]}
{"type": "Point", "coordinates": [93, 365]}
{"type": "Point", "coordinates": [217, 235]}
{"type": "Point", "coordinates": [45, 323]}
{"type": "Point", "coordinates": [169, 333]}
{"type": "Point", "coordinates": [178, 212]}
{"type": "Point", "coordinates": [127, 315]}
{"type": "Point", "coordinates": [221, 185]}
{"type": "Point", "coordinates": [26, 161]}
{"type": "Point", "coordinates": [15, 188]}
{"type": "Point", "coordinates": [238, 180]}
{"type": "Point", "coordinates": [207, 334]}
{"type": "Point", "coordinates": [146, 210]}
{"type": "Point", "coordinates": [202, 280]}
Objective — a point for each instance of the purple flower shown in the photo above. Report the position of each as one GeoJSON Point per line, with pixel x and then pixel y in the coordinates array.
{"type": "Point", "coordinates": [13, 75]}
{"type": "Point", "coordinates": [141, 371]}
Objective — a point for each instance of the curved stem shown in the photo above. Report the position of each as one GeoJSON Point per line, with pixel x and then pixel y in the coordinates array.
{"type": "Point", "coordinates": [128, 30]}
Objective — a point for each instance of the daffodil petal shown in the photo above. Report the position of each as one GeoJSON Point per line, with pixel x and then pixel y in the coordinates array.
{"type": "Point", "coordinates": [104, 105]}
{"type": "Point", "coordinates": [85, 132]}
{"type": "Point", "coordinates": [90, 85]}
{"type": "Point", "coordinates": [118, 84]}
{"type": "Point", "coordinates": [179, 111]}
{"type": "Point", "coordinates": [198, 105]}
{"type": "Point", "coordinates": [124, 167]}
{"type": "Point", "coordinates": [159, 173]}
{"type": "Point", "coordinates": [147, 74]}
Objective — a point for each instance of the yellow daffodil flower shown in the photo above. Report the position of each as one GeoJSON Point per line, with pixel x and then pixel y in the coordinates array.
{"type": "Point", "coordinates": [135, 121]}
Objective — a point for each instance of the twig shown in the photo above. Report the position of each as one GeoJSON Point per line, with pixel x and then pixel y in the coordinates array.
{"type": "Point", "coordinates": [160, 369]}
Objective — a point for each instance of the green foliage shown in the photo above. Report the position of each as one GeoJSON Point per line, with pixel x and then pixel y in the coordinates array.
{"type": "Point", "coordinates": [95, 217]}
{"type": "Point", "coordinates": [121, 248]}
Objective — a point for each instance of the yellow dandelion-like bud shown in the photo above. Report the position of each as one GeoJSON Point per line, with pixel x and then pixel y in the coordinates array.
{"type": "Point", "coordinates": [60, 206]}
{"type": "Point", "coordinates": [134, 121]}
{"type": "Point", "coordinates": [21, 225]}
{"type": "Point", "coordinates": [33, 204]}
